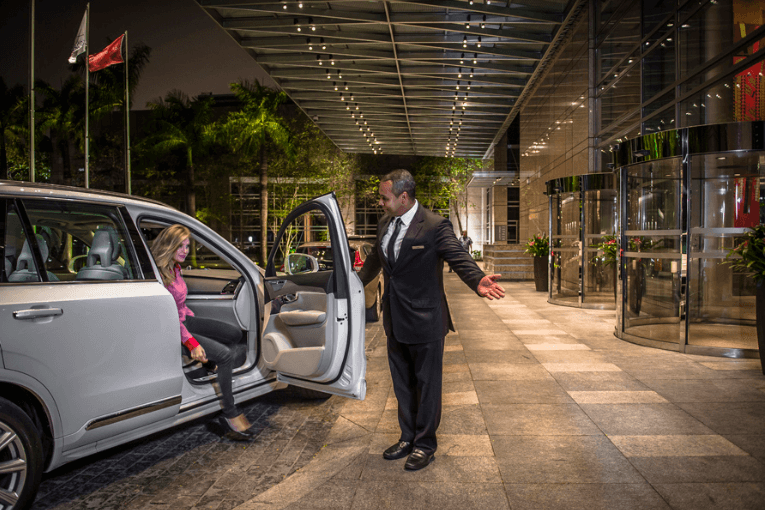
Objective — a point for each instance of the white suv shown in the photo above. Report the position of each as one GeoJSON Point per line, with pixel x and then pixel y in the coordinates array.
{"type": "Point", "coordinates": [90, 348]}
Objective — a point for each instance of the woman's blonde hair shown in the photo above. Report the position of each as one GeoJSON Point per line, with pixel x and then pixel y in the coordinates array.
{"type": "Point", "coordinates": [164, 247]}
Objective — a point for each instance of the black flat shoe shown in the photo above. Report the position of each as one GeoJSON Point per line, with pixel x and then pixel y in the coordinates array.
{"type": "Point", "coordinates": [418, 460]}
{"type": "Point", "coordinates": [236, 435]}
{"type": "Point", "coordinates": [398, 451]}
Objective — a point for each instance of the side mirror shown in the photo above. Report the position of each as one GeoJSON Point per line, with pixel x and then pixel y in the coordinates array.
{"type": "Point", "coordinates": [300, 263]}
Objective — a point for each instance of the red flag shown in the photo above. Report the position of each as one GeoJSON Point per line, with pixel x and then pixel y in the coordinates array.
{"type": "Point", "coordinates": [110, 55]}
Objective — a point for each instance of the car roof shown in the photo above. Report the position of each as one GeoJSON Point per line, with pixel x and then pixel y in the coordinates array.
{"type": "Point", "coordinates": [45, 190]}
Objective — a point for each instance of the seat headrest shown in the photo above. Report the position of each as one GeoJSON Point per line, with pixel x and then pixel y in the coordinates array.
{"type": "Point", "coordinates": [9, 253]}
{"type": "Point", "coordinates": [106, 247]}
{"type": "Point", "coordinates": [26, 261]}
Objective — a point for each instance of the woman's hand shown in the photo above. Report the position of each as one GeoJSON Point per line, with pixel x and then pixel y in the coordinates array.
{"type": "Point", "coordinates": [198, 353]}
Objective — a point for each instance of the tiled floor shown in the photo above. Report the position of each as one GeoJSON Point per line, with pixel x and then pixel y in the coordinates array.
{"type": "Point", "coordinates": [544, 408]}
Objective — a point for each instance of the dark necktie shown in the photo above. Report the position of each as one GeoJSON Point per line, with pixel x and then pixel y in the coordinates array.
{"type": "Point", "coordinates": [392, 242]}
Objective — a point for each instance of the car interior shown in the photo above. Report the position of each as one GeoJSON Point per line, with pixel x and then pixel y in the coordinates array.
{"type": "Point", "coordinates": [74, 245]}
{"type": "Point", "coordinates": [300, 333]}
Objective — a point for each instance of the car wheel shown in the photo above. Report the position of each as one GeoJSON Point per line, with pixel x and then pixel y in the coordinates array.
{"type": "Point", "coordinates": [20, 457]}
{"type": "Point", "coordinates": [375, 311]}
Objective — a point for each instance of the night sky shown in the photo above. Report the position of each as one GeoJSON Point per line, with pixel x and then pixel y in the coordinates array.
{"type": "Point", "coordinates": [189, 51]}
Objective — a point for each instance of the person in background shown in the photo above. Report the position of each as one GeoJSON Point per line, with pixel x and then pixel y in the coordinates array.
{"type": "Point", "coordinates": [466, 243]}
{"type": "Point", "coordinates": [208, 340]}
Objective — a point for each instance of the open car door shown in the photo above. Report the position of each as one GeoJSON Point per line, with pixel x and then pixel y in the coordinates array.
{"type": "Point", "coordinates": [313, 330]}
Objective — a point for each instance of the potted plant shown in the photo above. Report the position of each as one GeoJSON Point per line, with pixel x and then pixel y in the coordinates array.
{"type": "Point", "coordinates": [607, 250]}
{"type": "Point", "coordinates": [748, 256]}
{"type": "Point", "coordinates": [539, 247]}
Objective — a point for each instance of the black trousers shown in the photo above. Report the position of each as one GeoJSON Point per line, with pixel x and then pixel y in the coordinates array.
{"type": "Point", "coordinates": [417, 371]}
{"type": "Point", "coordinates": [220, 342]}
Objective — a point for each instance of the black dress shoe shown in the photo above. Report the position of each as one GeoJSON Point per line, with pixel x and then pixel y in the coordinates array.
{"type": "Point", "coordinates": [418, 460]}
{"type": "Point", "coordinates": [237, 435]}
{"type": "Point", "coordinates": [398, 450]}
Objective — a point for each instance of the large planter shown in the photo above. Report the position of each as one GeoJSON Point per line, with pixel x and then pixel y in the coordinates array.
{"type": "Point", "coordinates": [760, 310]}
{"type": "Point", "coordinates": [541, 271]}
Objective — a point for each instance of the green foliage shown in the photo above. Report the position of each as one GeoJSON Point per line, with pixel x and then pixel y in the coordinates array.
{"type": "Point", "coordinates": [608, 247]}
{"type": "Point", "coordinates": [748, 256]}
{"type": "Point", "coordinates": [538, 245]}
{"type": "Point", "coordinates": [477, 255]}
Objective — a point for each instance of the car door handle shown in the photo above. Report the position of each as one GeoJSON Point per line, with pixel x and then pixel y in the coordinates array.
{"type": "Point", "coordinates": [37, 313]}
{"type": "Point", "coordinates": [289, 298]}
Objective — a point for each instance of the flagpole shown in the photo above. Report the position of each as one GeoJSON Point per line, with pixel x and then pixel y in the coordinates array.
{"type": "Point", "coordinates": [87, 106]}
{"type": "Point", "coordinates": [32, 90]}
{"type": "Point", "coordinates": [128, 184]}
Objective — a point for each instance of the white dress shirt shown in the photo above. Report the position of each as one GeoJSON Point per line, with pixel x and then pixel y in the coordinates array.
{"type": "Point", "coordinates": [406, 219]}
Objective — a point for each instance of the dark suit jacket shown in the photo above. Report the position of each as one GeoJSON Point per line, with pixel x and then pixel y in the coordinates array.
{"type": "Point", "coordinates": [414, 303]}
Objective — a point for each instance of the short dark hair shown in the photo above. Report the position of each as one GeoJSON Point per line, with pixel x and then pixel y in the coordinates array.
{"type": "Point", "coordinates": [401, 180]}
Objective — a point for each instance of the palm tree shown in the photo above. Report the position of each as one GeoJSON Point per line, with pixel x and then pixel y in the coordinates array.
{"type": "Point", "coordinates": [257, 124]}
{"type": "Point", "coordinates": [63, 112]}
{"type": "Point", "coordinates": [182, 124]}
{"type": "Point", "coordinates": [12, 108]}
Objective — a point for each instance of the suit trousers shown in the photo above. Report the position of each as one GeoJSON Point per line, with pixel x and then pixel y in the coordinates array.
{"type": "Point", "coordinates": [417, 372]}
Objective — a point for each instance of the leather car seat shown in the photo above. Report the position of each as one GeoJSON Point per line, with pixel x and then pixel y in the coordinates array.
{"type": "Point", "coordinates": [102, 258]}
{"type": "Point", "coordinates": [25, 265]}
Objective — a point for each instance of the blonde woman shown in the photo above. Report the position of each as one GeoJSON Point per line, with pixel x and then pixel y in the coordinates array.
{"type": "Point", "coordinates": [206, 339]}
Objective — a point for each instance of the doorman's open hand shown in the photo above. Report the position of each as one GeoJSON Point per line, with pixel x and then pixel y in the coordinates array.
{"type": "Point", "coordinates": [489, 288]}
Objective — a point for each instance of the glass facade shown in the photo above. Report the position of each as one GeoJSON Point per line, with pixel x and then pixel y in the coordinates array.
{"type": "Point", "coordinates": [583, 212]}
{"type": "Point", "coordinates": [689, 196]}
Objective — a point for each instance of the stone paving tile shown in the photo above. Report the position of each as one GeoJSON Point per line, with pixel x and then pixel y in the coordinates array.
{"type": "Point", "coordinates": [428, 496]}
{"type": "Point", "coordinates": [702, 496]}
{"type": "Point", "coordinates": [562, 459]}
{"type": "Point", "coordinates": [590, 496]}
{"type": "Point", "coordinates": [754, 445]}
{"type": "Point", "coordinates": [581, 367]}
{"type": "Point", "coordinates": [675, 446]}
{"type": "Point", "coordinates": [598, 381]}
{"type": "Point", "coordinates": [508, 372]}
{"type": "Point", "coordinates": [521, 392]}
{"type": "Point", "coordinates": [658, 470]}
{"type": "Point", "coordinates": [643, 419]}
{"type": "Point", "coordinates": [722, 391]}
{"type": "Point", "coordinates": [617, 397]}
{"type": "Point", "coordinates": [557, 347]}
{"type": "Point", "coordinates": [733, 418]}
{"type": "Point", "coordinates": [537, 420]}
{"type": "Point", "coordinates": [492, 356]}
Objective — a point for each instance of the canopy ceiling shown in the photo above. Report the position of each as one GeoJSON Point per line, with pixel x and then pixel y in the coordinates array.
{"type": "Point", "coordinates": [428, 77]}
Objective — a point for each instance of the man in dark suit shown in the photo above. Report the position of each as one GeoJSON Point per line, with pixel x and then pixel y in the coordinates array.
{"type": "Point", "coordinates": [412, 245]}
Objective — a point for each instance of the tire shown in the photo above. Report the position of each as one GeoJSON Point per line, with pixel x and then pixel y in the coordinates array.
{"type": "Point", "coordinates": [375, 311]}
{"type": "Point", "coordinates": [22, 453]}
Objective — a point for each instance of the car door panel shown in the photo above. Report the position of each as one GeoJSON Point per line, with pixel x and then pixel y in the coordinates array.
{"type": "Point", "coordinates": [311, 335]}
{"type": "Point", "coordinates": [123, 369]}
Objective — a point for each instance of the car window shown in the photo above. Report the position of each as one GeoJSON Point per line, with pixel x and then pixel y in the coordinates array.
{"type": "Point", "coordinates": [18, 264]}
{"type": "Point", "coordinates": [200, 255]}
{"type": "Point", "coordinates": [81, 241]}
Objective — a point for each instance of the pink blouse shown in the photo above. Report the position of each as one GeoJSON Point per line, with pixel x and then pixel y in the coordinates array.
{"type": "Point", "coordinates": [179, 290]}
